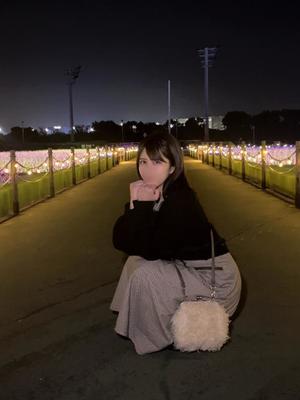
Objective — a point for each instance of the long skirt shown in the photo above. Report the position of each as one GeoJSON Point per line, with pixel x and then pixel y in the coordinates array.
{"type": "Point", "coordinates": [147, 295]}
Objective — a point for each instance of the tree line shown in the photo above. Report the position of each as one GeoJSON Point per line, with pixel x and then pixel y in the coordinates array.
{"type": "Point", "coordinates": [274, 125]}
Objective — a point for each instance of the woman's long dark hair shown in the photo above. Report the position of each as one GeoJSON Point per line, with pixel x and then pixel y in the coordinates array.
{"type": "Point", "coordinates": [167, 145]}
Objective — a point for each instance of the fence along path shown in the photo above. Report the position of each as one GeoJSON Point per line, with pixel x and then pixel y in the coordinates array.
{"type": "Point", "coordinates": [275, 168]}
{"type": "Point", "coordinates": [28, 177]}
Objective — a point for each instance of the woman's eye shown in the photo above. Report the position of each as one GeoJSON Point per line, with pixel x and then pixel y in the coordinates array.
{"type": "Point", "coordinates": [155, 161]}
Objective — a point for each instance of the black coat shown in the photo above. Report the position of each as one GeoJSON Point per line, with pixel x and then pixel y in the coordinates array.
{"type": "Point", "coordinates": [179, 230]}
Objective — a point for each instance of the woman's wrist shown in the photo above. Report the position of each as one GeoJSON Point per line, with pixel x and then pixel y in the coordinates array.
{"type": "Point", "coordinates": [131, 202]}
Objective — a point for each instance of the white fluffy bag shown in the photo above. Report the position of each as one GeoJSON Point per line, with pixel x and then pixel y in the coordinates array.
{"type": "Point", "coordinates": [200, 324]}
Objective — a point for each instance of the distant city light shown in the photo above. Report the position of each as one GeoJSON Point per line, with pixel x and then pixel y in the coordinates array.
{"type": "Point", "coordinates": [57, 127]}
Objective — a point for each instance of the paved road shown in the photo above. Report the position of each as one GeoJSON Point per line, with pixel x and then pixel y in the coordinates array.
{"type": "Point", "coordinates": [58, 272]}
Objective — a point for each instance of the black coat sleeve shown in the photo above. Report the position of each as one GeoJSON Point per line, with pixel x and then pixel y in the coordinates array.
{"type": "Point", "coordinates": [133, 227]}
{"type": "Point", "coordinates": [180, 223]}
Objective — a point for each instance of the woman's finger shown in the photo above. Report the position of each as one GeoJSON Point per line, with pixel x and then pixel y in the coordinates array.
{"type": "Point", "coordinates": [137, 183]}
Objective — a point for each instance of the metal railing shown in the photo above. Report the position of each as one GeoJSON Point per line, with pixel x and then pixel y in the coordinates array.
{"type": "Point", "coordinates": [274, 168]}
{"type": "Point", "coordinates": [27, 178]}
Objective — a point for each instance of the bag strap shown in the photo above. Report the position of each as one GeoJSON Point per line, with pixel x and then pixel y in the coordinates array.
{"type": "Point", "coordinates": [213, 267]}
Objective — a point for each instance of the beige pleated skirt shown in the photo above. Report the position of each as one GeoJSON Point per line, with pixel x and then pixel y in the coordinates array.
{"type": "Point", "coordinates": [148, 292]}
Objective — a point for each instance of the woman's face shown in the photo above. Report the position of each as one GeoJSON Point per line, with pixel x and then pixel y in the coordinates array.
{"type": "Point", "coordinates": [154, 172]}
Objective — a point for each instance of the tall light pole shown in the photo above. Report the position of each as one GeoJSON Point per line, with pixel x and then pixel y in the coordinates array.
{"type": "Point", "coordinates": [122, 123]}
{"type": "Point", "coordinates": [23, 138]}
{"type": "Point", "coordinates": [72, 74]}
{"type": "Point", "coordinates": [207, 54]}
{"type": "Point", "coordinates": [169, 106]}
{"type": "Point", "coordinates": [253, 133]}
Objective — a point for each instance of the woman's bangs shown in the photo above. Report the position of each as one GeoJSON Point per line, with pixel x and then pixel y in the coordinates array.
{"type": "Point", "coordinates": [154, 153]}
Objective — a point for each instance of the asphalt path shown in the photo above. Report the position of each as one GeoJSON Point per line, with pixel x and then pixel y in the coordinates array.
{"type": "Point", "coordinates": [58, 273]}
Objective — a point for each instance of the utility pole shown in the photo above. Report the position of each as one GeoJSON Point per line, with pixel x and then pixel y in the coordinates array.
{"type": "Point", "coordinates": [207, 54]}
{"type": "Point", "coordinates": [72, 74]}
{"type": "Point", "coordinates": [169, 106]}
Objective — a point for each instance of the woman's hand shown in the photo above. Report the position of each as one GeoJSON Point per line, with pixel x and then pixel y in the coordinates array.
{"type": "Point", "coordinates": [139, 190]}
{"type": "Point", "coordinates": [133, 188]}
{"type": "Point", "coordinates": [148, 193]}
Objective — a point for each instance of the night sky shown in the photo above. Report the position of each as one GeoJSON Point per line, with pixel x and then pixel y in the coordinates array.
{"type": "Point", "coordinates": [129, 50]}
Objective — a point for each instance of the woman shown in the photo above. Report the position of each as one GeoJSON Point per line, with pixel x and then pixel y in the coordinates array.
{"type": "Point", "coordinates": [164, 224]}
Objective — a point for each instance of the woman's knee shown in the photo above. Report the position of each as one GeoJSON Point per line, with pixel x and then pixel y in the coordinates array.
{"type": "Point", "coordinates": [145, 270]}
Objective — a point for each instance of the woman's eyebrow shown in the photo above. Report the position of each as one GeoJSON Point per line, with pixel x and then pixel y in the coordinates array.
{"type": "Point", "coordinates": [154, 159]}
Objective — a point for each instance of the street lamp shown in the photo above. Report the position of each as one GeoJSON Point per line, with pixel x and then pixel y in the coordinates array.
{"type": "Point", "coordinates": [72, 74]}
